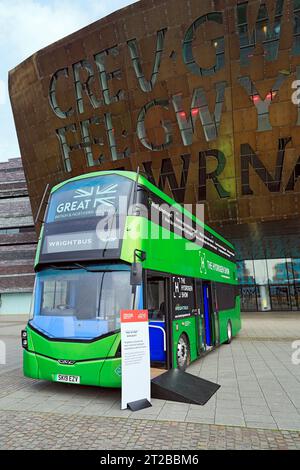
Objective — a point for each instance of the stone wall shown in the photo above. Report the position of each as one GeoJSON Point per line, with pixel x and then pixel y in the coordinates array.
{"type": "Point", "coordinates": [17, 233]}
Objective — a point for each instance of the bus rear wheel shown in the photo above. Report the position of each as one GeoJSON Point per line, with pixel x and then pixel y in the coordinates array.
{"type": "Point", "coordinates": [183, 352]}
{"type": "Point", "coordinates": [229, 333]}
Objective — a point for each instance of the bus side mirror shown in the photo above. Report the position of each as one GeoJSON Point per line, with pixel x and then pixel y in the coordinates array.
{"type": "Point", "coordinates": [136, 274]}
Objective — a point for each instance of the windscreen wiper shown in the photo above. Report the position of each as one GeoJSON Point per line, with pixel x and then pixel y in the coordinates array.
{"type": "Point", "coordinates": [64, 268]}
{"type": "Point", "coordinates": [88, 269]}
{"type": "Point", "coordinates": [100, 295]}
{"type": "Point", "coordinates": [72, 267]}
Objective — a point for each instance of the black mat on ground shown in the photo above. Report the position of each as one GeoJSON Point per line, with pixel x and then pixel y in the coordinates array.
{"type": "Point", "coordinates": [176, 385]}
{"type": "Point", "coordinates": [139, 405]}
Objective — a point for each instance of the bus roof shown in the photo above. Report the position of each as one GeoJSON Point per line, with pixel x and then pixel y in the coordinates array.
{"type": "Point", "coordinates": [145, 182]}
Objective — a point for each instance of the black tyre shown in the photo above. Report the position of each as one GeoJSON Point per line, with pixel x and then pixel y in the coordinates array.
{"type": "Point", "coordinates": [183, 352]}
{"type": "Point", "coordinates": [229, 332]}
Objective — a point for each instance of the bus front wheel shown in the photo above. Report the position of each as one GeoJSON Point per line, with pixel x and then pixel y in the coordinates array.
{"type": "Point", "coordinates": [229, 333]}
{"type": "Point", "coordinates": [183, 352]}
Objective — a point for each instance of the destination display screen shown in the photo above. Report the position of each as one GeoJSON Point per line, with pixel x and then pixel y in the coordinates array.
{"type": "Point", "coordinates": [89, 197]}
{"type": "Point", "coordinates": [85, 219]}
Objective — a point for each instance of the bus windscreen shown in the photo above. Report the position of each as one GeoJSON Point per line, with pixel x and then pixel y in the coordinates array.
{"type": "Point", "coordinates": [79, 303]}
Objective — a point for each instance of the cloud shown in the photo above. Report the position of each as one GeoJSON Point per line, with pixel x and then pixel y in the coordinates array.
{"type": "Point", "coordinates": [26, 26]}
{"type": "Point", "coordinates": [29, 25]}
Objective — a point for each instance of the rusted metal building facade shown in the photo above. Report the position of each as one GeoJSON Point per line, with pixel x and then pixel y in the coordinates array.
{"type": "Point", "coordinates": [202, 95]}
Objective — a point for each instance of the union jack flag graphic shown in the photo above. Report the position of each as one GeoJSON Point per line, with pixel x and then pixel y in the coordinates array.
{"type": "Point", "coordinates": [102, 195]}
{"type": "Point", "coordinates": [105, 195]}
{"type": "Point", "coordinates": [84, 193]}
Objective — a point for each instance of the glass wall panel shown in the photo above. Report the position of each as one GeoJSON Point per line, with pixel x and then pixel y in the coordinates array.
{"type": "Point", "coordinates": [280, 297]}
{"type": "Point", "coordinates": [277, 271]}
{"type": "Point", "coordinates": [290, 270]}
{"type": "Point", "coordinates": [261, 273]}
{"type": "Point", "coordinates": [246, 272]}
{"type": "Point", "coordinates": [293, 298]}
{"type": "Point", "coordinates": [263, 298]}
{"type": "Point", "coordinates": [269, 284]}
{"type": "Point", "coordinates": [296, 269]}
{"type": "Point", "coordinates": [297, 295]}
{"type": "Point", "coordinates": [248, 298]}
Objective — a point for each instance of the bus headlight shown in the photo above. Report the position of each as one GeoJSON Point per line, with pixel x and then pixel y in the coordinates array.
{"type": "Point", "coordinates": [24, 339]}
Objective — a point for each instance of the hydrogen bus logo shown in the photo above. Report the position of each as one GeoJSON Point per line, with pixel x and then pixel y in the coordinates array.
{"type": "Point", "coordinates": [2, 353]}
{"type": "Point", "coordinates": [203, 269]}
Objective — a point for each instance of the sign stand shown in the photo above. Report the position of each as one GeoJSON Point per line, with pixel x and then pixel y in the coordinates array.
{"type": "Point", "coordinates": [135, 350]}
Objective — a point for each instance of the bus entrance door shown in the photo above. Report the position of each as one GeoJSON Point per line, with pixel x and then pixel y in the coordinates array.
{"type": "Point", "coordinates": [215, 315]}
{"type": "Point", "coordinates": [157, 302]}
{"type": "Point", "coordinates": [207, 310]}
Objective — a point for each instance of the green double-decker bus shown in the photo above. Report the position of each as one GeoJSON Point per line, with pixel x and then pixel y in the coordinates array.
{"type": "Point", "coordinates": [111, 241]}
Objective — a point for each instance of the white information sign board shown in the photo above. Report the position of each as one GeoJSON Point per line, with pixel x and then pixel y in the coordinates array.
{"type": "Point", "coordinates": [135, 351]}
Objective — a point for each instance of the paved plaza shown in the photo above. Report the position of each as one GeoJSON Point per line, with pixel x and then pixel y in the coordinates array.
{"type": "Point", "coordinates": [257, 406]}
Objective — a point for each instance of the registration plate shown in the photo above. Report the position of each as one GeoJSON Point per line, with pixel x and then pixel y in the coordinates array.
{"type": "Point", "coordinates": [69, 379]}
